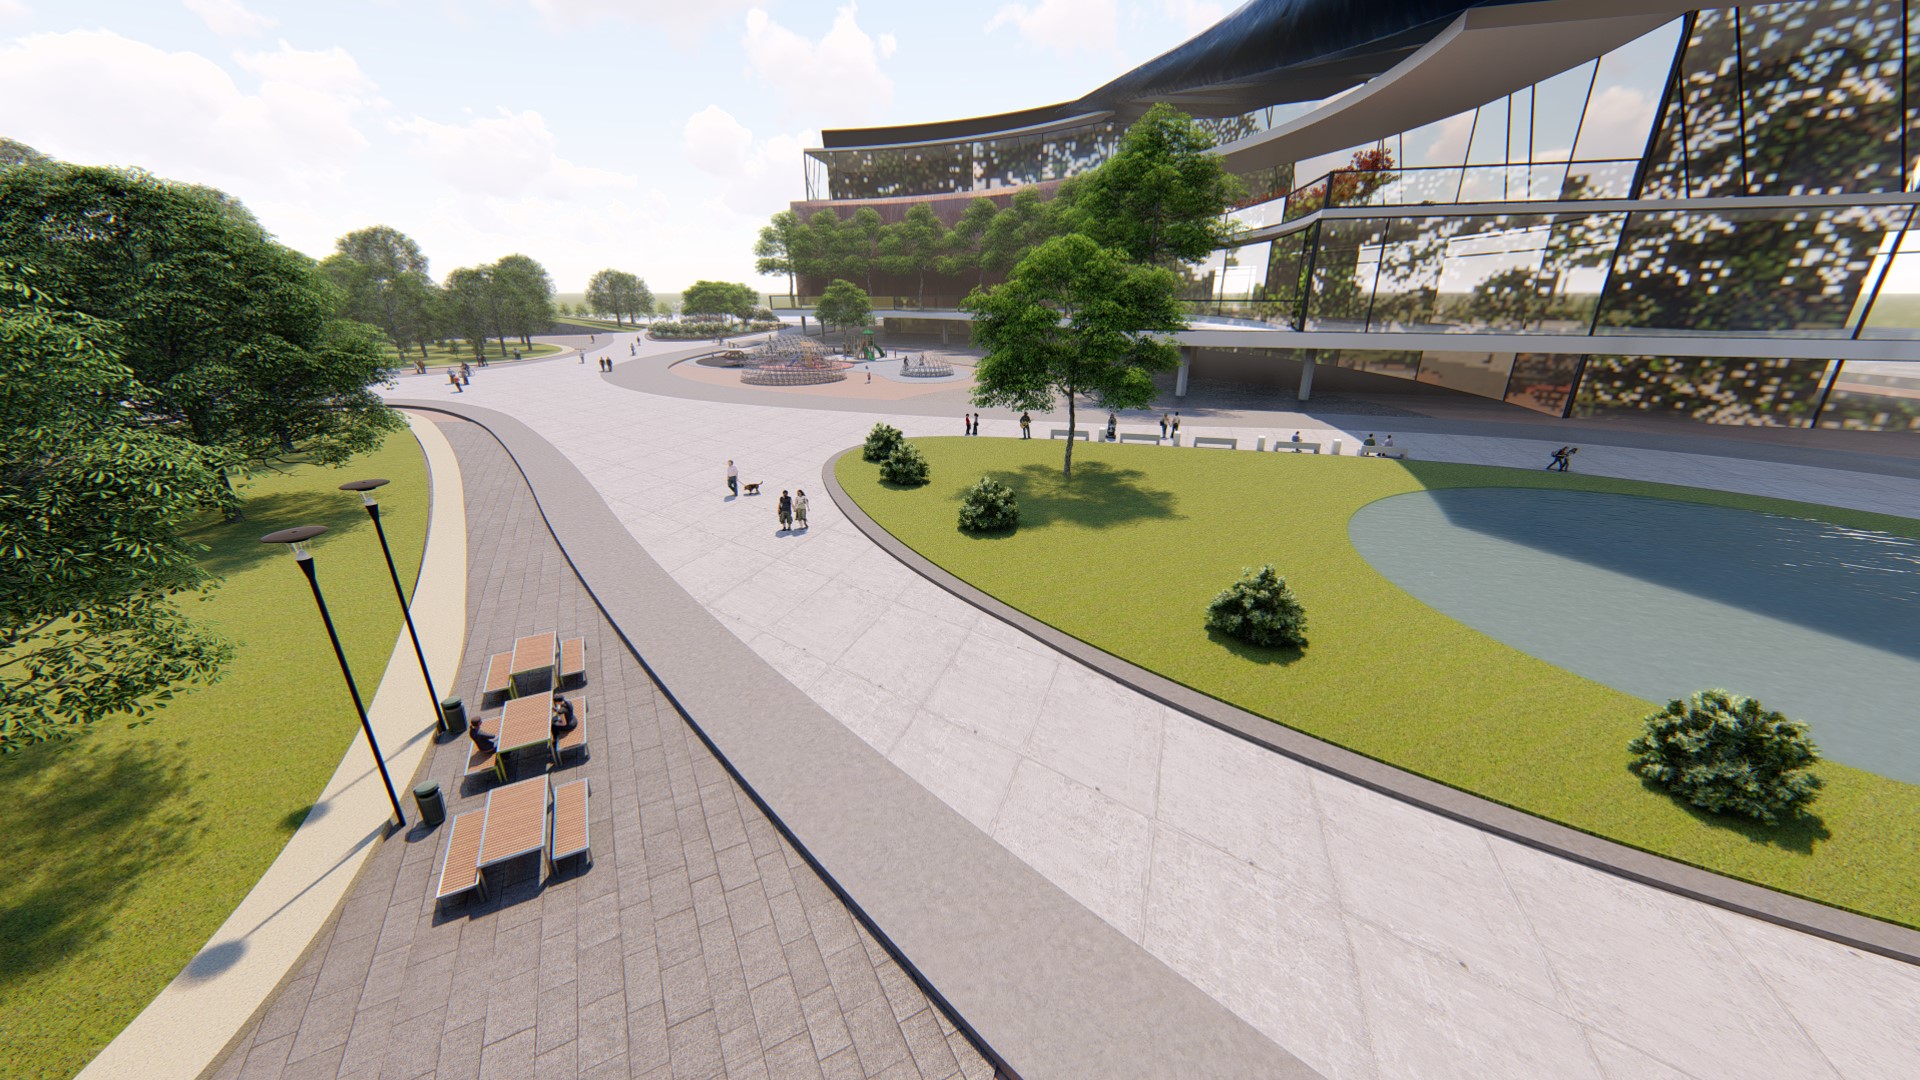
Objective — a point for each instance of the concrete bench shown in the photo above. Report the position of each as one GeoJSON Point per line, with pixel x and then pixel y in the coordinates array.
{"type": "Point", "coordinates": [573, 659]}
{"type": "Point", "coordinates": [460, 870]}
{"type": "Point", "coordinates": [1296, 447]}
{"type": "Point", "coordinates": [1216, 441]}
{"type": "Point", "coordinates": [567, 830]}
{"type": "Point", "coordinates": [575, 737]}
{"type": "Point", "coordinates": [1140, 436]}
{"type": "Point", "coordinates": [499, 677]}
{"type": "Point", "coordinates": [1061, 433]}
{"type": "Point", "coordinates": [1384, 451]}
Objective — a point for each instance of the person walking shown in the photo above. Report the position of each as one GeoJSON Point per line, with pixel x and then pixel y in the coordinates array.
{"type": "Point", "coordinates": [1026, 426]}
{"type": "Point", "coordinates": [786, 511]}
{"type": "Point", "coordinates": [1113, 426]}
{"type": "Point", "coordinates": [800, 509]}
{"type": "Point", "coordinates": [869, 378]}
{"type": "Point", "coordinates": [1559, 456]}
{"type": "Point", "coordinates": [1566, 459]}
{"type": "Point", "coordinates": [1163, 425]}
{"type": "Point", "coordinates": [1176, 425]}
{"type": "Point", "coordinates": [466, 372]}
{"type": "Point", "coordinates": [454, 378]}
{"type": "Point", "coordinates": [733, 478]}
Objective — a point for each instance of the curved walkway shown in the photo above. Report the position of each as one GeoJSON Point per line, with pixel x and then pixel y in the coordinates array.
{"type": "Point", "coordinates": [209, 1004]}
{"type": "Point", "coordinates": [1366, 936]}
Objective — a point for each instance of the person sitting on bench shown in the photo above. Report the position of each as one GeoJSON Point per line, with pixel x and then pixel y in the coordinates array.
{"type": "Point", "coordinates": [563, 719]}
{"type": "Point", "coordinates": [481, 739]}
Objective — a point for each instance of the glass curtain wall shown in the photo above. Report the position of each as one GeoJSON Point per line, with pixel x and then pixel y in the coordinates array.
{"type": "Point", "coordinates": [1715, 390]}
{"type": "Point", "coordinates": [1874, 395]}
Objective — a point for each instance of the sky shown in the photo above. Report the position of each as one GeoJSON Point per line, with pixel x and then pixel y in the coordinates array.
{"type": "Point", "coordinates": [655, 136]}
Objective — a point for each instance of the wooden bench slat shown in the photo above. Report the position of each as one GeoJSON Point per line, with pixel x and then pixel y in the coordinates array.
{"type": "Point", "coordinates": [499, 674]}
{"type": "Point", "coordinates": [573, 657]}
{"type": "Point", "coordinates": [569, 834]}
{"type": "Point", "coordinates": [575, 737]}
{"type": "Point", "coordinates": [460, 870]}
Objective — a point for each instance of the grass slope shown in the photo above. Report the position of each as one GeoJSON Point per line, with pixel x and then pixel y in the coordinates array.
{"type": "Point", "coordinates": [1127, 556]}
{"type": "Point", "coordinates": [457, 352]}
{"type": "Point", "coordinates": [126, 848]}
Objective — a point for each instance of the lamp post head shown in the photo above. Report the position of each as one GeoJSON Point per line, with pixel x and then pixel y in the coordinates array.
{"type": "Point", "coordinates": [365, 488]}
{"type": "Point", "coordinates": [296, 538]}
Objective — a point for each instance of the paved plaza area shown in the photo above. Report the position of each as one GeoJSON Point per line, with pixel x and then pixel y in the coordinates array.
{"type": "Point", "coordinates": [1369, 938]}
{"type": "Point", "coordinates": [698, 944]}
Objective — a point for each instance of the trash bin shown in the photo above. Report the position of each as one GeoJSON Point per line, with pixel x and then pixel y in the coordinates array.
{"type": "Point", "coordinates": [433, 809]}
{"type": "Point", "coordinates": [453, 715]}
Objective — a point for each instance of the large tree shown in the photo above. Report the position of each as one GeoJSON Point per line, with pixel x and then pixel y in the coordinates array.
{"type": "Point", "coordinates": [613, 291]}
{"type": "Point", "coordinates": [1075, 319]}
{"type": "Point", "coordinates": [233, 339]}
{"type": "Point", "coordinates": [1160, 198]}
{"type": "Point", "coordinates": [719, 298]}
{"type": "Point", "coordinates": [469, 308]}
{"type": "Point", "coordinates": [860, 241]}
{"type": "Point", "coordinates": [964, 251]}
{"type": "Point", "coordinates": [845, 306]}
{"type": "Point", "coordinates": [781, 244]}
{"type": "Point", "coordinates": [92, 502]}
{"type": "Point", "coordinates": [913, 246]}
{"type": "Point", "coordinates": [524, 295]}
{"type": "Point", "coordinates": [383, 276]}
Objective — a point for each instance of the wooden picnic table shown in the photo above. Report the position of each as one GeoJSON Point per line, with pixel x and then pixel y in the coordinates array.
{"type": "Point", "coordinates": [516, 822]}
{"type": "Point", "coordinates": [535, 653]}
{"type": "Point", "coordinates": [525, 722]}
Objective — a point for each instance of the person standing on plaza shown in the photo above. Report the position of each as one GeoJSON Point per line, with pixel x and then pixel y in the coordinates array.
{"type": "Point", "coordinates": [1026, 426]}
{"type": "Point", "coordinates": [786, 511]}
{"type": "Point", "coordinates": [800, 509]}
{"type": "Point", "coordinates": [733, 477]}
{"type": "Point", "coordinates": [1113, 426]}
{"type": "Point", "coordinates": [454, 378]}
{"type": "Point", "coordinates": [466, 372]}
{"type": "Point", "coordinates": [966, 423]}
{"type": "Point", "coordinates": [1176, 425]}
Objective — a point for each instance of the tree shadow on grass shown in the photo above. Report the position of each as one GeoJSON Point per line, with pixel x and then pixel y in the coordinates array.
{"type": "Point", "coordinates": [235, 545]}
{"type": "Point", "coordinates": [1797, 834]}
{"type": "Point", "coordinates": [101, 819]}
{"type": "Point", "coordinates": [1279, 656]}
{"type": "Point", "coordinates": [1098, 496]}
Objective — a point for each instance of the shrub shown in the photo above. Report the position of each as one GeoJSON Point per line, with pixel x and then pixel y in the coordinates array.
{"type": "Point", "coordinates": [705, 329]}
{"type": "Point", "coordinates": [1259, 609]}
{"type": "Point", "coordinates": [989, 506]}
{"type": "Point", "coordinates": [905, 466]}
{"type": "Point", "coordinates": [881, 442]}
{"type": "Point", "coordinates": [1729, 754]}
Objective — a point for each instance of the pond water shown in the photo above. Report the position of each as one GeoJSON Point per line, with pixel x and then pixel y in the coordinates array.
{"type": "Point", "coordinates": [1660, 599]}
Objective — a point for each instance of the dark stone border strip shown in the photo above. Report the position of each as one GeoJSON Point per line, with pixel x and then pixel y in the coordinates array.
{"type": "Point", "coordinates": [1028, 973]}
{"type": "Point", "coordinates": [1794, 912]}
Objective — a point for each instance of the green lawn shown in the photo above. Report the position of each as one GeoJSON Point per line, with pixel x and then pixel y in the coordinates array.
{"type": "Point", "coordinates": [1127, 556]}
{"type": "Point", "coordinates": [126, 848]}
{"type": "Point", "coordinates": [454, 352]}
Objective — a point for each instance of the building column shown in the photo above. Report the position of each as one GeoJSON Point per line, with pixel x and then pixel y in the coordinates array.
{"type": "Point", "coordinates": [1306, 374]}
{"type": "Point", "coordinates": [1180, 379]}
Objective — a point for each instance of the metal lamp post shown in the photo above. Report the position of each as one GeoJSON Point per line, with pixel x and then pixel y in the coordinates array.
{"type": "Point", "coordinates": [296, 539]}
{"type": "Point", "coordinates": [366, 488]}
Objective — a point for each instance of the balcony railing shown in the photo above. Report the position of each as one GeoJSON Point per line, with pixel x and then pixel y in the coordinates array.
{"type": "Point", "coordinates": [1438, 185]}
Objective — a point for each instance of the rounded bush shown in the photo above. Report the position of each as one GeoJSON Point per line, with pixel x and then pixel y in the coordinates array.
{"type": "Point", "coordinates": [989, 506]}
{"type": "Point", "coordinates": [1260, 610]}
{"type": "Point", "coordinates": [1729, 754]}
{"type": "Point", "coordinates": [881, 442]}
{"type": "Point", "coordinates": [905, 466]}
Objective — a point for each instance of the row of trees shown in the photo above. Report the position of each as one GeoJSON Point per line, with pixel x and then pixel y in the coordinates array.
{"type": "Point", "coordinates": [155, 343]}
{"type": "Point", "coordinates": [383, 281]}
{"type": "Point", "coordinates": [621, 295]}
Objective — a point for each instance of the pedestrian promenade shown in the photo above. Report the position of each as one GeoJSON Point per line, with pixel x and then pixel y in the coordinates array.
{"type": "Point", "coordinates": [699, 943]}
{"type": "Point", "coordinates": [1365, 936]}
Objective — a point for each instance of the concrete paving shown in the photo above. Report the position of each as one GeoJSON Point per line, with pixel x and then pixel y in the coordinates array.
{"type": "Point", "coordinates": [698, 943]}
{"type": "Point", "coordinates": [1366, 936]}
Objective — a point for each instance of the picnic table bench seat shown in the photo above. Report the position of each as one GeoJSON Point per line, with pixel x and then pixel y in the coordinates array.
{"type": "Point", "coordinates": [499, 677]}
{"type": "Point", "coordinates": [483, 761]}
{"type": "Point", "coordinates": [567, 834]}
{"type": "Point", "coordinates": [460, 870]}
{"type": "Point", "coordinates": [575, 737]}
{"type": "Point", "coordinates": [573, 659]}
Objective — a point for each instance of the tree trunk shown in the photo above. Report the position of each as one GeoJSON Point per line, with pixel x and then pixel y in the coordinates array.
{"type": "Point", "coordinates": [232, 508]}
{"type": "Point", "coordinates": [1067, 470]}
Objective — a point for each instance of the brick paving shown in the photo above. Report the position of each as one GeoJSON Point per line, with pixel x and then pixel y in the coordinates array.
{"type": "Point", "coordinates": [698, 944]}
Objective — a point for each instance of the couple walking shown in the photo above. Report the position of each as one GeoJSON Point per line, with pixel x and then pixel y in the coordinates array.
{"type": "Point", "coordinates": [793, 511]}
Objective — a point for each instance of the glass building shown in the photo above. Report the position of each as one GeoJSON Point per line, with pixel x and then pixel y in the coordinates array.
{"type": "Point", "coordinates": [1577, 207]}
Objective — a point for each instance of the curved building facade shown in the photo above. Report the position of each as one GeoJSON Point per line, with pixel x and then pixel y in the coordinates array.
{"type": "Point", "coordinates": [1578, 207]}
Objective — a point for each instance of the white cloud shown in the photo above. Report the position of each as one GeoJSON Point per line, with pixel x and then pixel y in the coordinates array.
{"type": "Point", "coordinates": [229, 18]}
{"type": "Point", "coordinates": [94, 96]}
{"type": "Point", "coordinates": [1618, 120]}
{"type": "Point", "coordinates": [1063, 25]}
{"type": "Point", "coordinates": [674, 14]}
{"type": "Point", "coordinates": [14, 11]}
{"type": "Point", "coordinates": [760, 176]}
{"type": "Point", "coordinates": [508, 155]}
{"type": "Point", "coordinates": [1195, 15]}
{"type": "Point", "coordinates": [837, 77]}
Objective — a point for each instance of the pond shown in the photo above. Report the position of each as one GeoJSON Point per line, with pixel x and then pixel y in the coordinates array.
{"type": "Point", "coordinates": [1659, 599]}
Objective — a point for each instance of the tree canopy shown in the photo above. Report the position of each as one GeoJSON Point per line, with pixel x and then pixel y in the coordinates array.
{"type": "Point", "coordinates": [620, 294]}
{"type": "Point", "coordinates": [1075, 319]}
{"type": "Point", "coordinates": [92, 502]}
{"type": "Point", "coordinates": [1160, 198]}
{"type": "Point", "coordinates": [524, 295]}
{"type": "Point", "coordinates": [383, 278]}
{"type": "Point", "coordinates": [719, 298]}
{"type": "Point", "coordinates": [845, 306]}
{"type": "Point", "coordinates": [233, 339]}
